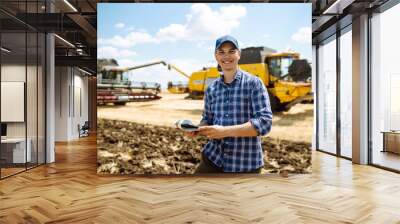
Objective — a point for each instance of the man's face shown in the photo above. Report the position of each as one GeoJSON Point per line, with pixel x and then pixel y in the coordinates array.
{"type": "Point", "coordinates": [227, 56]}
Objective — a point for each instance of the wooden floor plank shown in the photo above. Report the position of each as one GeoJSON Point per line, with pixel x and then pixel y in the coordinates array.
{"type": "Point", "coordinates": [70, 191]}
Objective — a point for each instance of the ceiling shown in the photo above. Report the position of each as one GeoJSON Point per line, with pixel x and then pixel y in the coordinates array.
{"type": "Point", "coordinates": [75, 22]}
{"type": "Point", "coordinates": [330, 15]}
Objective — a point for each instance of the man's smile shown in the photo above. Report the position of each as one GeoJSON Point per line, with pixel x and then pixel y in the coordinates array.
{"type": "Point", "coordinates": [227, 62]}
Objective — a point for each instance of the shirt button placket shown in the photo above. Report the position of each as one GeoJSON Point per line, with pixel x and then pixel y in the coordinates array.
{"type": "Point", "coordinates": [224, 154]}
{"type": "Point", "coordinates": [227, 100]}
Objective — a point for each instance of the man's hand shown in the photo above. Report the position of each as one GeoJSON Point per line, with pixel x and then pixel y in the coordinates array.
{"type": "Point", "coordinates": [214, 131]}
{"type": "Point", "coordinates": [191, 134]}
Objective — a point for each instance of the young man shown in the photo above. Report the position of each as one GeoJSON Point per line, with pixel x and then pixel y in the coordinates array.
{"type": "Point", "coordinates": [236, 114]}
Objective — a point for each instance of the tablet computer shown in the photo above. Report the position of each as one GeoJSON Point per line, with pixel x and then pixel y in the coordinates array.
{"type": "Point", "coordinates": [186, 125]}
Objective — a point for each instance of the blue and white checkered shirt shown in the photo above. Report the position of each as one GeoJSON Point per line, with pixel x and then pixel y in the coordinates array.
{"type": "Point", "coordinates": [244, 99]}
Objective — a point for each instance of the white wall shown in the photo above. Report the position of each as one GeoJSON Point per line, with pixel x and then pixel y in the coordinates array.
{"type": "Point", "coordinates": [314, 88]}
{"type": "Point", "coordinates": [13, 73]}
{"type": "Point", "coordinates": [71, 94]}
{"type": "Point", "coordinates": [62, 81]}
{"type": "Point", "coordinates": [80, 100]}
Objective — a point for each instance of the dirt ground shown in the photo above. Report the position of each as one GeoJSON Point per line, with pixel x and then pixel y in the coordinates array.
{"type": "Point", "coordinates": [133, 148]}
{"type": "Point", "coordinates": [294, 125]}
{"type": "Point", "coordinates": [140, 138]}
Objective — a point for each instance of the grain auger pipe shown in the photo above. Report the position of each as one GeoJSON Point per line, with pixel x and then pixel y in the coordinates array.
{"type": "Point", "coordinates": [169, 66]}
{"type": "Point", "coordinates": [144, 65]}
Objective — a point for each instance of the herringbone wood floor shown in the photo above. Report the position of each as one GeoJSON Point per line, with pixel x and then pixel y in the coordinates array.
{"type": "Point", "coordinates": [69, 191]}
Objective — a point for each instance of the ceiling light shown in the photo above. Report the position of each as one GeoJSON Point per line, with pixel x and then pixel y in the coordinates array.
{"type": "Point", "coordinates": [5, 50]}
{"type": "Point", "coordinates": [79, 51]}
{"type": "Point", "coordinates": [337, 7]}
{"type": "Point", "coordinates": [70, 5]}
{"type": "Point", "coordinates": [86, 72]}
{"type": "Point", "coordinates": [64, 40]}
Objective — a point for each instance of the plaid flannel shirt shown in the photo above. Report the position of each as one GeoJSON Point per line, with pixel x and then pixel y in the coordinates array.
{"type": "Point", "coordinates": [244, 99]}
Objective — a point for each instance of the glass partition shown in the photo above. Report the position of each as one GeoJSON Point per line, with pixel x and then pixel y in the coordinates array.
{"type": "Point", "coordinates": [13, 96]}
{"type": "Point", "coordinates": [22, 88]}
{"type": "Point", "coordinates": [327, 96]}
{"type": "Point", "coordinates": [385, 89]}
{"type": "Point", "coordinates": [346, 93]}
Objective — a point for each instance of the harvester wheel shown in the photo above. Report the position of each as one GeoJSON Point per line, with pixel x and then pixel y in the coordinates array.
{"type": "Point", "coordinates": [195, 95]}
{"type": "Point", "coordinates": [276, 105]}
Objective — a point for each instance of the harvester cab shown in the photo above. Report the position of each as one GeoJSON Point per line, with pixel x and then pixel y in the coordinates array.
{"type": "Point", "coordinates": [289, 80]}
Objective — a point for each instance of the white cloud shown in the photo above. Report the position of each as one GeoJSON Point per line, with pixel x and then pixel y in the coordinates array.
{"type": "Point", "coordinates": [187, 65]}
{"type": "Point", "coordinates": [112, 52]}
{"type": "Point", "coordinates": [119, 25]}
{"type": "Point", "coordinates": [202, 23]}
{"type": "Point", "coordinates": [303, 35]}
{"type": "Point", "coordinates": [130, 40]}
{"type": "Point", "coordinates": [247, 44]}
{"type": "Point", "coordinates": [172, 33]}
{"type": "Point", "coordinates": [233, 12]}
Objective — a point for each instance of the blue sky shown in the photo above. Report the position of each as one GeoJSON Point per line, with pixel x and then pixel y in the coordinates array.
{"type": "Point", "coordinates": [184, 34]}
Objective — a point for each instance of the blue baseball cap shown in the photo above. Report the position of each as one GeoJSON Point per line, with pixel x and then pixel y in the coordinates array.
{"type": "Point", "coordinates": [224, 39]}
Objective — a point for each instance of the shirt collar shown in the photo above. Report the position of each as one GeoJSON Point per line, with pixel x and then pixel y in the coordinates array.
{"type": "Point", "coordinates": [237, 77]}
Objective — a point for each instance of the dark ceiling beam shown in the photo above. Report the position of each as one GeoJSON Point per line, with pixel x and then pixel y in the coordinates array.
{"type": "Point", "coordinates": [86, 26]}
{"type": "Point", "coordinates": [17, 20]}
{"type": "Point", "coordinates": [210, 1]}
{"type": "Point", "coordinates": [77, 61]}
{"type": "Point", "coordinates": [54, 23]}
{"type": "Point", "coordinates": [89, 70]}
{"type": "Point", "coordinates": [322, 22]}
{"type": "Point", "coordinates": [49, 22]}
{"type": "Point", "coordinates": [91, 5]}
{"type": "Point", "coordinates": [337, 16]}
{"type": "Point", "coordinates": [88, 51]}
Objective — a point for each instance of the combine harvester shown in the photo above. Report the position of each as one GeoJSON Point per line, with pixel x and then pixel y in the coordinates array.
{"type": "Point", "coordinates": [286, 76]}
{"type": "Point", "coordinates": [114, 87]}
{"type": "Point", "coordinates": [178, 87]}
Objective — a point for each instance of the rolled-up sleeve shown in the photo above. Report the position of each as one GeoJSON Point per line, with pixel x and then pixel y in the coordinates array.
{"type": "Point", "coordinates": [207, 113]}
{"type": "Point", "coordinates": [262, 114]}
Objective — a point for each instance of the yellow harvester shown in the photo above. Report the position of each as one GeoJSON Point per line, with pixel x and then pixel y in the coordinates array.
{"type": "Point", "coordinates": [285, 76]}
